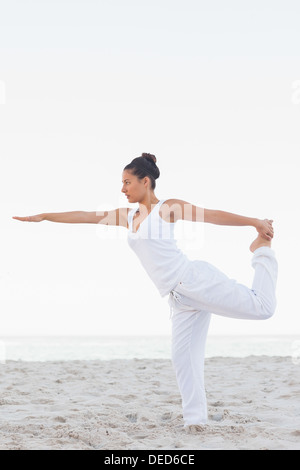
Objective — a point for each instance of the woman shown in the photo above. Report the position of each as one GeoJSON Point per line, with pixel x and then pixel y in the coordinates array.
{"type": "Point", "coordinates": [195, 288]}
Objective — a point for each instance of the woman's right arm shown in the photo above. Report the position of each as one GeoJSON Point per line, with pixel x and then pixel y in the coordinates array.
{"type": "Point", "coordinates": [74, 217]}
{"type": "Point", "coordinates": [114, 217]}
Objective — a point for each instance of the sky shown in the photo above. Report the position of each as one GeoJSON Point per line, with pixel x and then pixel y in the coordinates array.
{"type": "Point", "coordinates": [212, 88]}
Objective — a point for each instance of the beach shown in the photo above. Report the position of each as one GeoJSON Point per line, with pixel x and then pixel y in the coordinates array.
{"type": "Point", "coordinates": [253, 403]}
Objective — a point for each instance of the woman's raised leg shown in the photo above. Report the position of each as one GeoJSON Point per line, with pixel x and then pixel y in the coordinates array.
{"type": "Point", "coordinates": [206, 288]}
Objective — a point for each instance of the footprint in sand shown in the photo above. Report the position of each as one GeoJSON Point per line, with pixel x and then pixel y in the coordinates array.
{"type": "Point", "coordinates": [166, 416]}
{"type": "Point", "coordinates": [60, 419]}
{"type": "Point", "coordinates": [132, 417]}
{"type": "Point", "coordinates": [151, 426]}
{"type": "Point", "coordinates": [218, 403]}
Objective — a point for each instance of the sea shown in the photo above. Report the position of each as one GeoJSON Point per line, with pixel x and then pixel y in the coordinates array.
{"type": "Point", "coordinates": [70, 348]}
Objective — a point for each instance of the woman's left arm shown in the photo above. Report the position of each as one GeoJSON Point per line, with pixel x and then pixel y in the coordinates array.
{"type": "Point", "coordinates": [183, 210]}
{"type": "Point", "coordinates": [264, 227]}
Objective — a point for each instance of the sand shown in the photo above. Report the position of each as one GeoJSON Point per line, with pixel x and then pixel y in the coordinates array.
{"type": "Point", "coordinates": [253, 403]}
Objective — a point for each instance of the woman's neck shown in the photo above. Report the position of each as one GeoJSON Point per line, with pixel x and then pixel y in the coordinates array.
{"type": "Point", "coordinates": [147, 204]}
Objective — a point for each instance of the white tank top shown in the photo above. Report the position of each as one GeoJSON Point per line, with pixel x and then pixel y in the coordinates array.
{"type": "Point", "coordinates": [155, 246]}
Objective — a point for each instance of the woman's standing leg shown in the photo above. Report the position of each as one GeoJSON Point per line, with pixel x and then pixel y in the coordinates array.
{"type": "Point", "coordinates": [189, 332]}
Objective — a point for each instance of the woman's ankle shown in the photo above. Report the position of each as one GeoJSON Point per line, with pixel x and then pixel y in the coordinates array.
{"type": "Point", "coordinates": [259, 242]}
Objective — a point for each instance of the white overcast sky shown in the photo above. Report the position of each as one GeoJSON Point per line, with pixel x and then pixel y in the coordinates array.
{"type": "Point", "coordinates": [211, 87]}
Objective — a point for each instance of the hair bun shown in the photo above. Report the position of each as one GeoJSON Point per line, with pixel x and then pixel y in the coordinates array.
{"type": "Point", "coordinates": [149, 157]}
{"type": "Point", "coordinates": [145, 165]}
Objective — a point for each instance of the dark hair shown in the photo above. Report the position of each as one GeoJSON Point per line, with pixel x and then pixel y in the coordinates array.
{"type": "Point", "coordinates": [145, 165]}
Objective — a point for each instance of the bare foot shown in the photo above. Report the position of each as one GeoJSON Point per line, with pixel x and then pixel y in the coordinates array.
{"type": "Point", "coordinates": [258, 242]}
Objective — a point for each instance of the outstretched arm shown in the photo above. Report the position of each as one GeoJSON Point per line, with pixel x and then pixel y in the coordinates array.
{"type": "Point", "coordinates": [114, 217]}
{"type": "Point", "coordinates": [227, 218]}
{"type": "Point", "coordinates": [264, 227]}
{"type": "Point", "coordinates": [182, 210]}
{"type": "Point", "coordinates": [74, 217]}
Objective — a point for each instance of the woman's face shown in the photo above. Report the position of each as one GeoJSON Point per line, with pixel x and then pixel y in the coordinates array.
{"type": "Point", "coordinates": [134, 188]}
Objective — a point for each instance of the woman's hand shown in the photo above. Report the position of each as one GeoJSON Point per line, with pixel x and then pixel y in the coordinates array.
{"type": "Point", "coordinates": [265, 229]}
{"type": "Point", "coordinates": [30, 218]}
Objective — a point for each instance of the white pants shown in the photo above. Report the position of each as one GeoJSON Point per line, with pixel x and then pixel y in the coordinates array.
{"type": "Point", "coordinates": [204, 290]}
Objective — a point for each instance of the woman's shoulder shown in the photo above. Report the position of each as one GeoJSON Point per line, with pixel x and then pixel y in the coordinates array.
{"type": "Point", "coordinates": [171, 209]}
{"type": "Point", "coordinates": [171, 202]}
{"type": "Point", "coordinates": [174, 204]}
